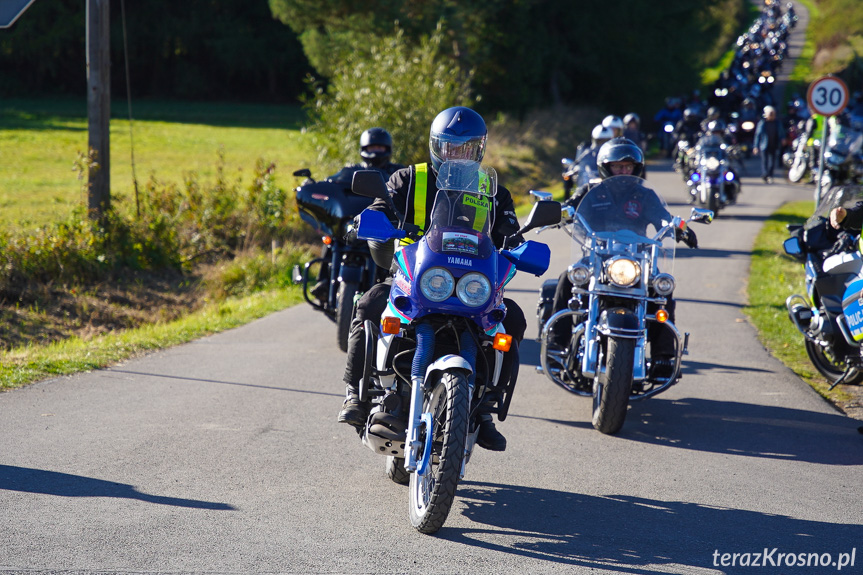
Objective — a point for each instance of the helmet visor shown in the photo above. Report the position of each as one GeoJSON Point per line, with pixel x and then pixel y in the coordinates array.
{"type": "Point", "coordinates": [445, 147]}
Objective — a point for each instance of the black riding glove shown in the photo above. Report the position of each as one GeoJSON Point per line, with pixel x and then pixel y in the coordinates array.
{"type": "Point", "coordinates": [686, 236]}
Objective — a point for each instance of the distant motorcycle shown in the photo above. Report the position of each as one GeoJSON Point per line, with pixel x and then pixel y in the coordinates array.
{"type": "Point", "coordinates": [830, 315]}
{"type": "Point", "coordinates": [579, 171]}
{"type": "Point", "coordinates": [345, 268]}
{"type": "Point", "coordinates": [713, 183]}
{"type": "Point", "coordinates": [619, 272]}
{"type": "Point", "coordinates": [843, 157]}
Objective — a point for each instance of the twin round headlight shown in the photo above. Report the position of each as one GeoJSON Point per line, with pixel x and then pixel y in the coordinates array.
{"type": "Point", "coordinates": [438, 284]}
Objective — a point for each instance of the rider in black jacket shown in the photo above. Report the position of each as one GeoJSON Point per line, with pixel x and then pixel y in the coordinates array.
{"type": "Point", "coordinates": [456, 133]}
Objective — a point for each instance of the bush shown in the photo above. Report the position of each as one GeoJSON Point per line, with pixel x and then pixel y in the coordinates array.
{"type": "Point", "coordinates": [394, 84]}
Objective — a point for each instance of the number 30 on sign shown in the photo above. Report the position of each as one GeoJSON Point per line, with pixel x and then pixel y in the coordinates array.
{"type": "Point", "coordinates": [827, 96]}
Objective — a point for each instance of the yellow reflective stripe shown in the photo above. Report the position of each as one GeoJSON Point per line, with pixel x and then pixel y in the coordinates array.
{"type": "Point", "coordinates": [479, 221]}
{"type": "Point", "coordinates": [420, 188]}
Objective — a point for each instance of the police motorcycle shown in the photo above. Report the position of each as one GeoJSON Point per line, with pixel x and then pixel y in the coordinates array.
{"type": "Point", "coordinates": [345, 269]}
{"type": "Point", "coordinates": [712, 182]}
{"type": "Point", "coordinates": [440, 346]}
{"type": "Point", "coordinates": [830, 315]}
{"type": "Point", "coordinates": [619, 294]}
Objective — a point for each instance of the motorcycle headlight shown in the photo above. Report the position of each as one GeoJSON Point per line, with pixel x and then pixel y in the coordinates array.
{"type": "Point", "coordinates": [437, 284]}
{"type": "Point", "coordinates": [623, 272]}
{"type": "Point", "coordinates": [747, 125]}
{"type": "Point", "coordinates": [663, 284]}
{"type": "Point", "coordinates": [712, 163]}
{"type": "Point", "coordinates": [729, 176]}
{"type": "Point", "coordinates": [579, 274]}
{"type": "Point", "coordinates": [473, 289]}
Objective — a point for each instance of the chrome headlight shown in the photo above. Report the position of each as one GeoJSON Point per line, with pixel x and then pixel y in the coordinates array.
{"type": "Point", "coordinates": [579, 274]}
{"type": "Point", "coordinates": [473, 289]}
{"type": "Point", "coordinates": [437, 284]}
{"type": "Point", "coordinates": [663, 284]}
{"type": "Point", "coordinates": [712, 163]}
{"type": "Point", "coordinates": [623, 272]}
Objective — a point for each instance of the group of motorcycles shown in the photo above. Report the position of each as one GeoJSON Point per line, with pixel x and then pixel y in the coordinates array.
{"type": "Point", "coordinates": [440, 347]}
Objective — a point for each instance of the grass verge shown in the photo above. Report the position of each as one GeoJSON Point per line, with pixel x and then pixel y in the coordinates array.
{"type": "Point", "coordinates": [773, 276]}
{"type": "Point", "coordinates": [21, 366]}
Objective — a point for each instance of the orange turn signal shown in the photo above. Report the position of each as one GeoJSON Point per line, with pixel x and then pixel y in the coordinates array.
{"type": "Point", "coordinates": [391, 325]}
{"type": "Point", "coordinates": [328, 240]}
{"type": "Point", "coordinates": [502, 342]}
{"type": "Point", "coordinates": [661, 316]}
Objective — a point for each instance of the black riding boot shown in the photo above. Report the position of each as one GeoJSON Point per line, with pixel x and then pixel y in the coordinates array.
{"type": "Point", "coordinates": [354, 412]}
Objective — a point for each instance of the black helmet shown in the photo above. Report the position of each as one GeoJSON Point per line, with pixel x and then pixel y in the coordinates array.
{"type": "Point", "coordinates": [376, 137]}
{"type": "Point", "coordinates": [457, 133]}
{"type": "Point", "coordinates": [619, 150]}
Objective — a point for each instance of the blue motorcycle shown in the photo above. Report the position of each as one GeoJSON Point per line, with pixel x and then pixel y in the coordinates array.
{"type": "Point", "coordinates": [440, 346]}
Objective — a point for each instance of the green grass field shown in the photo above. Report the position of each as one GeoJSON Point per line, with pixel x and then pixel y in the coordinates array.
{"type": "Point", "coordinates": [40, 140]}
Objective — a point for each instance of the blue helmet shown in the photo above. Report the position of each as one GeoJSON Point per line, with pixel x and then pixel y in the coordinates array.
{"type": "Point", "coordinates": [457, 133]}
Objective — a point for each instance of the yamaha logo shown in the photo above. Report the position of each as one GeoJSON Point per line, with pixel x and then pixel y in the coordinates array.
{"type": "Point", "coordinates": [459, 261]}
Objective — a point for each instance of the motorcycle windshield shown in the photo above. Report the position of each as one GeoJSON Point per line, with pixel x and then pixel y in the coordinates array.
{"type": "Point", "coordinates": [463, 212]}
{"type": "Point", "coordinates": [838, 196]}
{"type": "Point", "coordinates": [622, 210]}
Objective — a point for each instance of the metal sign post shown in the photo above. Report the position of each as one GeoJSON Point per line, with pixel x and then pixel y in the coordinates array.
{"type": "Point", "coordinates": [827, 96]}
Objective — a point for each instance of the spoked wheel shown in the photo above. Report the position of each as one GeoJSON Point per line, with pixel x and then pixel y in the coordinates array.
{"type": "Point", "coordinates": [433, 492]}
{"type": "Point", "coordinates": [611, 389]}
{"type": "Point", "coordinates": [344, 313]}
{"type": "Point", "coordinates": [828, 365]}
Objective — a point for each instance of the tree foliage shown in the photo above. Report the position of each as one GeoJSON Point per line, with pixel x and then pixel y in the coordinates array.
{"type": "Point", "coordinates": [393, 83]}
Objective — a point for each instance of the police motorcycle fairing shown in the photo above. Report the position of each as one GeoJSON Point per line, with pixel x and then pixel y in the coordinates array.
{"type": "Point", "coordinates": [830, 315]}
{"type": "Point", "coordinates": [440, 346]}
{"type": "Point", "coordinates": [619, 268]}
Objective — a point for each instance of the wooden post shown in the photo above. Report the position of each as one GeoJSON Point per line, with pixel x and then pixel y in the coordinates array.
{"type": "Point", "coordinates": [99, 105]}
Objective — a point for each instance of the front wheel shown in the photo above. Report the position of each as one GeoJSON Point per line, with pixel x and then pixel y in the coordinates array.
{"type": "Point", "coordinates": [797, 170]}
{"type": "Point", "coordinates": [828, 365]}
{"type": "Point", "coordinates": [344, 313]}
{"type": "Point", "coordinates": [432, 494]}
{"type": "Point", "coordinates": [611, 389]}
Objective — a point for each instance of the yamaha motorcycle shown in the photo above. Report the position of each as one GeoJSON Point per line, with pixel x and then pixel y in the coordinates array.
{"type": "Point", "coordinates": [440, 346]}
{"type": "Point", "coordinates": [345, 268]}
{"type": "Point", "coordinates": [619, 294]}
{"type": "Point", "coordinates": [713, 183]}
{"type": "Point", "coordinates": [830, 315]}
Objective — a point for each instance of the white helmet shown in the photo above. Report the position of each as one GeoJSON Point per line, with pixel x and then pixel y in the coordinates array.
{"type": "Point", "coordinates": [601, 135]}
{"type": "Point", "coordinates": [615, 123]}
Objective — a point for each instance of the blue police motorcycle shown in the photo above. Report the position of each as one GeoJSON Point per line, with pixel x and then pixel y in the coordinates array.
{"type": "Point", "coordinates": [440, 346]}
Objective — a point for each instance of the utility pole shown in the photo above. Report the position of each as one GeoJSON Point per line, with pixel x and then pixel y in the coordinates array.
{"type": "Point", "coordinates": [99, 106]}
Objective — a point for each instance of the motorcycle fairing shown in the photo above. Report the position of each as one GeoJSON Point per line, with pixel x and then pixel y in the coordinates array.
{"type": "Point", "coordinates": [852, 307]}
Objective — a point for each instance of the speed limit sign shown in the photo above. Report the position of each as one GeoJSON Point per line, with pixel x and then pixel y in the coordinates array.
{"type": "Point", "coordinates": [827, 96]}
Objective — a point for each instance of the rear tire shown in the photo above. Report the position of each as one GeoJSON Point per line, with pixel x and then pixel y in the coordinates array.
{"type": "Point", "coordinates": [396, 470]}
{"type": "Point", "coordinates": [345, 313]}
{"type": "Point", "coordinates": [432, 494]}
{"type": "Point", "coordinates": [611, 389]}
{"type": "Point", "coordinates": [830, 367]}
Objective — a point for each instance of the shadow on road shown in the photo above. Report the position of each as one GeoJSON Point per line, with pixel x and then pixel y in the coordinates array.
{"type": "Point", "coordinates": [65, 485]}
{"type": "Point", "coordinates": [746, 429]}
{"type": "Point", "coordinates": [625, 534]}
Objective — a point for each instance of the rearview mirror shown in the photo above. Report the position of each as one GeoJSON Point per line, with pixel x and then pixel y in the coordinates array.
{"type": "Point", "coordinates": [537, 195]}
{"type": "Point", "coordinates": [792, 246]}
{"type": "Point", "coordinates": [304, 173]}
{"type": "Point", "coordinates": [701, 215]}
{"type": "Point", "coordinates": [544, 213]}
{"type": "Point", "coordinates": [369, 183]}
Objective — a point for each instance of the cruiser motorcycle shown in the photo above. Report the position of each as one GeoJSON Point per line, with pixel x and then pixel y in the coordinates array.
{"type": "Point", "coordinates": [440, 345]}
{"type": "Point", "coordinates": [619, 293]}
{"type": "Point", "coordinates": [830, 315]}
{"type": "Point", "coordinates": [712, 182]}
{"type": "Point", "coordinates": [345, 269]}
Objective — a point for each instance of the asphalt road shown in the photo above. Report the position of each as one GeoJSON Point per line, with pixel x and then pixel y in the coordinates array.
{"type": "Point", "coordinates": [224, 456]}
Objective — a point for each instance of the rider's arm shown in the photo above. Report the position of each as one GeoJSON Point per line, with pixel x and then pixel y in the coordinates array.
{"type": "Point", "coordinates": [505, 221]}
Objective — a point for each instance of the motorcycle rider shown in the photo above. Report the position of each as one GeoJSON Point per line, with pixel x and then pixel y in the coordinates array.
{"type": "Point", "coordinates": [621, 157]}
{"type": "Point", "coordinates": [456, 133]}
{"type": "Point", "coordinates": [686, 130]}
{"type": "Point", "coordinates": [586, 153]}
{"type": "Point", "coordinates": [615, 123]}
{"type": "Point", "coordinates": [376, 149]}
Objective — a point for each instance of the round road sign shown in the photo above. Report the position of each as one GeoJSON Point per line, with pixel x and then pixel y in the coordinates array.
{"type": "Point", "coordinates": [827, 96]}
